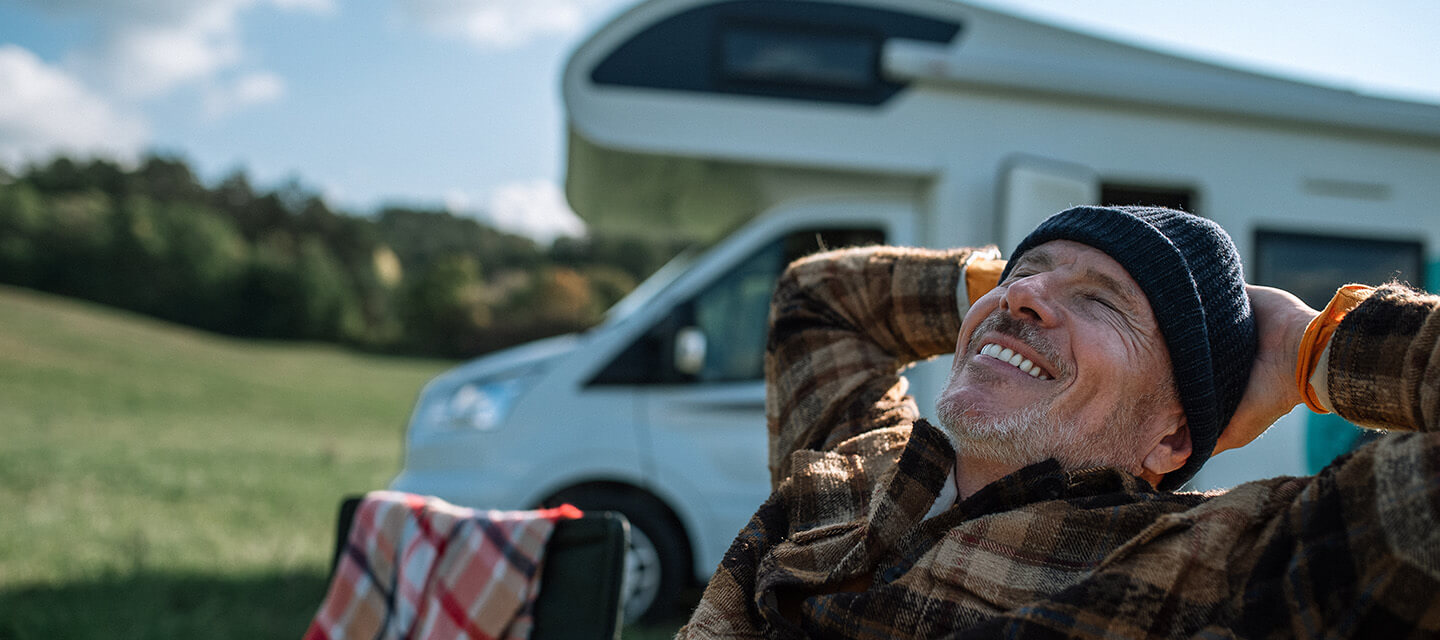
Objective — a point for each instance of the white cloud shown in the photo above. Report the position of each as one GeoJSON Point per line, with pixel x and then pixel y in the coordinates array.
{"type": "Point", "coordinates": [149, 60]}
{"type": "Point", "coordinates": [47, 111]}
{"type": "Point", "coordinates": [503, 23]}
{"type": "Point", "coordinates": [150, 47]}
{"type": "Point", "coordinates": [248, 90]}
{"type": "Point", "coordinates": [534, 208]}
{"type": "Point", "coordinates": [313, 6]}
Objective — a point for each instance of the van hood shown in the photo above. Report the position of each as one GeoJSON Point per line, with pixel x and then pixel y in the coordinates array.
{"type": "Point", "coordinates": [514, 360]}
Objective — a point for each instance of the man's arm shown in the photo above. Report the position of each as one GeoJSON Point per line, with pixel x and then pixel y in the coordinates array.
{"type": "Point", "coordinates": [843, 324]}
{"type": "Point", "coordinates": [1384, 361]}
{"type": "Point", "coordinates": [1381, 368]}
{"type": "Point", "coordinates": [1356, 549]}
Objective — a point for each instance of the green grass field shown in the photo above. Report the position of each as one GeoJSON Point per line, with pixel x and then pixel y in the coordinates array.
{"type": "Point", "coordinates": [160, 482]}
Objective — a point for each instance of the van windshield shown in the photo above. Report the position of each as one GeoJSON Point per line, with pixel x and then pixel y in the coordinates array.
{"type": "Point", "coordinates": [653, 285]}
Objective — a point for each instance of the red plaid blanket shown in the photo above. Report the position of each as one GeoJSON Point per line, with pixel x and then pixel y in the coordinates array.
{"type": "Point", "coordinates": [419, 567]}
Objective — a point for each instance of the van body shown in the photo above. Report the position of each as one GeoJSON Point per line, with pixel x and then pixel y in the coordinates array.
{"type": "Point", "coordinates": [767, 128]}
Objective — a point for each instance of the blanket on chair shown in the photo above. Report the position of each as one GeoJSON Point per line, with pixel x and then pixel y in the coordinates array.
{"type": "Point", "coordinates": [419, 567]}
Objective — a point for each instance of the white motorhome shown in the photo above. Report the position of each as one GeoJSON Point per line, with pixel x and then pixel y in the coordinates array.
{"type": "Point", "coordinates": [760, 124]}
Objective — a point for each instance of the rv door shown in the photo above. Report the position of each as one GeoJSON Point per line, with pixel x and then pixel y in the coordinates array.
{"type": "Point", "coordinates": [1031, 188]}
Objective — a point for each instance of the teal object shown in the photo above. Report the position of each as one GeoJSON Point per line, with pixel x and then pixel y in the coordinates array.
{"type": "Point", "coordinates": [1432, 276]}
{"type": "Point", "coordinates": [1327, 436]}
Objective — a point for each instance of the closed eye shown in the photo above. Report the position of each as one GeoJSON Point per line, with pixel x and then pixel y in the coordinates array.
{"type": "Point", "coordinates": [1103, 302]}
{"type": "Point", "coordinates": [1115, 311]}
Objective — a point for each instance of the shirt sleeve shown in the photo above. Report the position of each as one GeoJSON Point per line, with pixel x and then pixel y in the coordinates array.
{"type": "Point", "coordinates": [1383, 366]}
{"type": "Point", "coordinates": [842, 326]}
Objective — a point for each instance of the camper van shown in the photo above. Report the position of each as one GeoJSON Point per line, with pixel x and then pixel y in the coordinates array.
{"type": "Point", "coordinates": [765, 129]}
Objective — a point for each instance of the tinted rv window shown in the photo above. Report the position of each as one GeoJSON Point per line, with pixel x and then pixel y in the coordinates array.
{"type": "Point", "coordinates": [1181, 198]}
{"type": "Point", "coordinates": [730, 313]}
{"type": "Point", "coordinates": [1313, 266]}
{"type": "Point", "coordinates": [812, 51]}
{"type": "Point", "coordinates": [768, 54]}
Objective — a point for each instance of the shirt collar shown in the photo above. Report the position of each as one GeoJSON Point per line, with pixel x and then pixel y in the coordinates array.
{"type": "Point", "coordinates": [1046, 480]}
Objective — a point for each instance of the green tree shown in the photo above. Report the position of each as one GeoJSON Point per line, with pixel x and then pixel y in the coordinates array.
{"type": "Point", "coordinates": [168, 179]}
{"type": "Point", "coordinates": [179, 261]}
{"type": "Point", "coordinates": [22, 220]}
{"type": "Point", "coordinates": [329, 308]}
{"type": "Point", "coordinates": [444, 308]}
{"type": "Point", "coordinates": [281, 263]}
{"type": "Point", "coordinates": [74, 243]}
{"type": "Point", "coordinates": [608, 284]}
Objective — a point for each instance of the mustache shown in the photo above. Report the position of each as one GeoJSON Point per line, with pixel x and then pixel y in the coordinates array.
{"type": "Point", "coordinates": [1005, 324]}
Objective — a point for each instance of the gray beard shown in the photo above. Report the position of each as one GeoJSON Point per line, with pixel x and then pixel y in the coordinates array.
{"type": "Point", "coordinates": [1016, 439]}
{"type": "Point", "coordinates": [1033, 434]}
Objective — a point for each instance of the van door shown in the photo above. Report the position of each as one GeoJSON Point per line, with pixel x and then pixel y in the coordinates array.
{"type": "Point", "coordinates": [706, 423]}
{"type": "Point", "coordinates": [1031, 188]}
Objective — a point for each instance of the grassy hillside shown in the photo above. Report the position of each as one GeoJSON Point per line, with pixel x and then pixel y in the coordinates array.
{"type": "Point", "coordinates": [161, 482]}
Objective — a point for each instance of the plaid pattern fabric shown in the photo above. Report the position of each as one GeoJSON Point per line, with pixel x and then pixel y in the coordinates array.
{"type": "Point", "coordinates": [419, 567]}
{"type": "Point", "coordinates": [843, 548]}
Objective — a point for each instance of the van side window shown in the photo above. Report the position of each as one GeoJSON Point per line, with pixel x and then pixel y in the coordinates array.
{"type": "Point", "coordinates": [719, 334]}
{"type": "Point", "coordinates": [1313, 267]}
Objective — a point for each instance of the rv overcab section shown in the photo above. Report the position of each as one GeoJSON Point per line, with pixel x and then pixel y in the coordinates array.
{"type": "Point", "coordinates": [695, 115]}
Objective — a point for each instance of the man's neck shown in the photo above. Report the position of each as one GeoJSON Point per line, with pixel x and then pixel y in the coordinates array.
{"type": "Point", "coordinates": [972, 474]}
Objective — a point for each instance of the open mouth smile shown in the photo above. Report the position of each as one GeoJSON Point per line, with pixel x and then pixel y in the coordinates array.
{"type": "Point", "coordinates": [1016, 360]}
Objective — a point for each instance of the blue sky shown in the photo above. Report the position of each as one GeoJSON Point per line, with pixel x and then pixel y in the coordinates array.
{"type": "Point", "coordinates": [456, 103]}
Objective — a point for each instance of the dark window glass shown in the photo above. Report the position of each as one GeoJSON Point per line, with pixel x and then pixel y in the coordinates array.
{"type": "Point", "coordinates": [731, 313]}
{"type": "Point", "coordinates": [810, 51]}
{"type": "Point", "coordinates": [1312, 267]}
{"type": "Point", "coordinates": [1149, 196]}
{"type": "Point", "coordinates": [791, 56]}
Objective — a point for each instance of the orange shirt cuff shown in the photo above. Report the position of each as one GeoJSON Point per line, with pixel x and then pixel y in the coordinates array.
{"type": "Point", "coordinates": [1317, 337]}
{"type": "Point", "coordinates": [982, 275]}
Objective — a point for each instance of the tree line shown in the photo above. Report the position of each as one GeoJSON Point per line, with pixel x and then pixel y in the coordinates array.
{"type": "Point", "coordinates": [281, 264]}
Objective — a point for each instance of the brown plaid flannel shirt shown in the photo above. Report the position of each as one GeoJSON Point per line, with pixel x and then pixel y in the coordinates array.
{"type": "Point", "coordinates": [843, 549]}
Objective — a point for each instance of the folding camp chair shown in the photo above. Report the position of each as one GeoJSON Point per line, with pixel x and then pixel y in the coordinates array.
{"type": "Point", "coordinates": [580, 580]}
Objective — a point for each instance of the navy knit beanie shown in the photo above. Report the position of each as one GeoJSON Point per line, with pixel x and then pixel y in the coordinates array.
{"type": "Point", "coordinates": [1190, 271]}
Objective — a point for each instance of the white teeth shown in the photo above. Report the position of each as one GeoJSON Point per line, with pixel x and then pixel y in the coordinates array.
{"type": "Point", "coordinates": [1020, 362]}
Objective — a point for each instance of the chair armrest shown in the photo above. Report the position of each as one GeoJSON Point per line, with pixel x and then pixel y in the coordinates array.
{"type": "Point", "coordinates": [581, 581]}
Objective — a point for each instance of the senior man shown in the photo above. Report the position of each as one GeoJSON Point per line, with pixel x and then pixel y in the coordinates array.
{"type": "Point", "coordinates": [1116, 352]}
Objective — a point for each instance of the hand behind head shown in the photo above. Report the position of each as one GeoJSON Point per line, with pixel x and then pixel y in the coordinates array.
{"type": "Point", "coordinates": [1280, 321]}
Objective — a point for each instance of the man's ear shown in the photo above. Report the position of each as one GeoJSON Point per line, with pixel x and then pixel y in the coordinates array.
{"type": "Point", "coordinates": [1170, 453]}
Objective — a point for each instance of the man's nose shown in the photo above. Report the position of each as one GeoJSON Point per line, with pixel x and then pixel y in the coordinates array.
{"type": "Point", "coordinates": [1029, 298]}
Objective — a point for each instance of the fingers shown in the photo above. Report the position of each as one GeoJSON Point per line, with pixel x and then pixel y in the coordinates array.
{"type": "Point", "coordinates": [1280, 321]}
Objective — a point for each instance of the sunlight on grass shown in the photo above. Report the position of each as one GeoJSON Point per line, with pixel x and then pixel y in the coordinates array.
{"type": "Point", "coordinates": [159, 482]}
{"type": "Point", "coordinates": [136, 450]}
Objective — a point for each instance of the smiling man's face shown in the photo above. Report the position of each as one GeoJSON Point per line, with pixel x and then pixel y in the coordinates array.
{"type": "Point", "coordinates": [1063, 359]}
